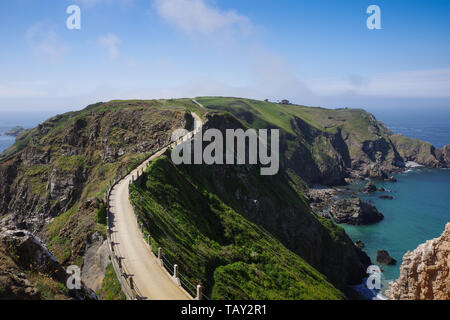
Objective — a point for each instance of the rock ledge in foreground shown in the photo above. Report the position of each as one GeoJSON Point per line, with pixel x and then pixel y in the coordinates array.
{"type": "Point", "coordinates": [425, 272]}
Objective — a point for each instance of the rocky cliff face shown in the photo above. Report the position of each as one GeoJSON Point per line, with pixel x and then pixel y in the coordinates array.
{"type": "Point", "coordinates": [48, 175]}
{"type": "Point", "coordinates": [327, 146]}
{"type": "Point", "coordinates": [425, 272]}
{"type": "Point", "coordinates": [29, 271]}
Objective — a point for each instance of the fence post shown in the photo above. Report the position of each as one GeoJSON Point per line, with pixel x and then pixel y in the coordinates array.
{"type": "Point", "coordinates": [160, 257]}
{"type": "Point", "coordinates": [149, 241]}
{"type": "Point", "coordinates": [120, 263]}
{"type": "Point", "coordinates": [131, 283]}
{"type": "Point", "coordinates": [199, 293]}
{"type": "Point", "coordinates": [175, 277]}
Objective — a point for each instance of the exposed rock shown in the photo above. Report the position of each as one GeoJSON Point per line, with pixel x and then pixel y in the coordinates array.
{"type": "Point", "coordinates": [359, 244]}
{"type": "Point", "coordinates": [355, 211]}
{"type": "Point", "coordinates": [392, 179]}
{"type": "Point", "coordinates": [383, 257]}
{"type": "Point", "coordinates": [47, 174]}
{"type": "Point", "coordinates": [425, 272]}
{"type": "Point", "coordinates": [417, 151]}
{"type": "Point", "coordinates": [370, 188]}
{"type": "Point", "coordinates": [96, 260]}
{"type": "Point", "coordinates": [27, 256]}
{"type": "Point", "coordinates": [320, 198]}
{"type": "Point", "coordinates": [14, 132]}
{"type": "Point", "coordinates": [446, 154]}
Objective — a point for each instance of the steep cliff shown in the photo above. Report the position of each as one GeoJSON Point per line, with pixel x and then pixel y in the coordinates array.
{"type": "Point", "coordinates": [30, 272]}
{"type": "Point", "coordinates": [425, 272]}
{"type": "Point", "coordinates": [327, 146]}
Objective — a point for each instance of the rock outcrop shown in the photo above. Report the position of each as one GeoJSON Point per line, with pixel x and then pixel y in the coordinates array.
{"type": "Point", "coordinates": [28, 268]}
{"type": "Point", "coordinates": [446, 154]}
{"type": "Point", "coordinates": [355, 211]}
{"type": "Point", "coordinates": [425, 272]}
{"type": "Point", "coordinates": [370, 188]}
{"type": "Point", "coordinates": [14, 132]}
{"type": "Point", "coordinates": [384, 257]}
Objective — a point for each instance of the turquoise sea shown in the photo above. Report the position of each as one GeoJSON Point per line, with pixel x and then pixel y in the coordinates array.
{"type": "Point", "coordinates": [419, 212]}
{"type": "Point", "coordinates": [421, 207]}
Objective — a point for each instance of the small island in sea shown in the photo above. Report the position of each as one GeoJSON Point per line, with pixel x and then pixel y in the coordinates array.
{"type": "Point", "coordinates": [14, 132]}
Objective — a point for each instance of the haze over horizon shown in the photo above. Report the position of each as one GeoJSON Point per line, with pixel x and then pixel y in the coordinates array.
{"type": "Point", "coordinates": [318, 54]}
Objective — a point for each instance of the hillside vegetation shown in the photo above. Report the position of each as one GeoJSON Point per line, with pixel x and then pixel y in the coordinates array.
{"type": "Point", "coordinates": [217, 246]}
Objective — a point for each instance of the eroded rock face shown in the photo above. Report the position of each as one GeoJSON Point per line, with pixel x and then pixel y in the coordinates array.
{"type": "Point", "coordinates": [47, 176]}
{"type": "Point", "coordinates": [21, 255]}
{"type": "Point", "coordinates": [446, 154]}
{"type": "Point", "coordinates": [370, 188]}
{"type": "Point", "coordinates": [355, 211]}
{"type": "Point", "coordinates": [425, 272]}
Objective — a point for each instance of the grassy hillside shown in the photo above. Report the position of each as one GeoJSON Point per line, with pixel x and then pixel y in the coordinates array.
{"type": "Point", "coordinates": [261, 114]}
{"type": "Point", "coordinates": [218, 246]}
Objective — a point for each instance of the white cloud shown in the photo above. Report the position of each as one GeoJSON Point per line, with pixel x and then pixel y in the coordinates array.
{"type": "Point", "coordinates": [111, 43]}
{"type": "Point", "coordinates": [433, 83]}
{"type": "Point", "coordinates": [92, 3]}
{"type": "Point", "coordinates": [43, 40]}
{"type": "Point", "coordinates": [199, 17]}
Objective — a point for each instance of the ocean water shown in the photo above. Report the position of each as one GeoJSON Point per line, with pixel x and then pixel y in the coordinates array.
{"type": "Point", "coordinates": [9, 120]}
{"type": "Point", "coordinates": [421, 207]}
{"type": "Point", "coordinates": [428, 124]}
{"type": "Point", "coordinates": [5, 141]}
{"type": "Point", "coordinates": [419, 212]}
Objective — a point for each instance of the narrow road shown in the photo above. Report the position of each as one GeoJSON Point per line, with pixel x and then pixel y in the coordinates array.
{"type": "Point", "coordinates": [151, 280]}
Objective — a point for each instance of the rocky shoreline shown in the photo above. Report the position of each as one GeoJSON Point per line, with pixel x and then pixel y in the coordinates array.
{"type": "Point", "coordinates": [424, 272]}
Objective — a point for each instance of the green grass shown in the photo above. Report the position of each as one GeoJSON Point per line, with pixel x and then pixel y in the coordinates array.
{"type": "Point", "coordinates": [111, 289]}
{"type": "Point", "coordinates": [260, 114]}
{"type": "Point", "coordinates": [70, 163]}
{"type": "Point", "coordinates": [100, 214]}
{"type": "Point", "coordinates": [216, 245]}
{"type": "Point", "coordinates": [48, 288]}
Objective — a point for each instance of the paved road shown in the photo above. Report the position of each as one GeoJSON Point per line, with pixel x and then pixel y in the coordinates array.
{"type": "Point", "coordinates": [151, 280]}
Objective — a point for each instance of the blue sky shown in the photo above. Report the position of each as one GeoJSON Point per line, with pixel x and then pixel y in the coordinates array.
{"type": "Point", "coordinates": [311, 52]}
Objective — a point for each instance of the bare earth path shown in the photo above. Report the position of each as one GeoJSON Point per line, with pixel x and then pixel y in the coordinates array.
{"type": "Point", "coordinates": [151, 280]}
